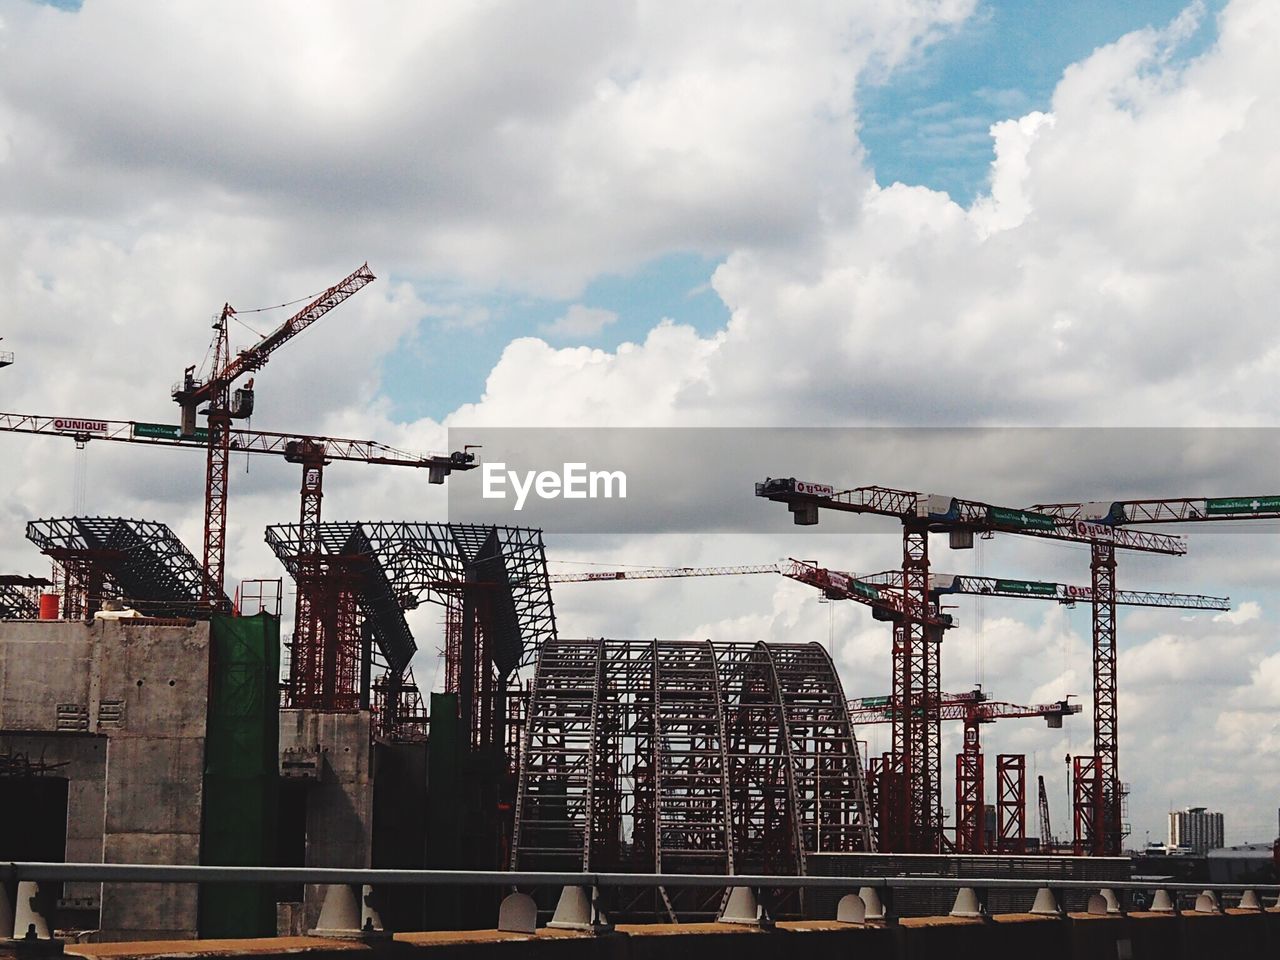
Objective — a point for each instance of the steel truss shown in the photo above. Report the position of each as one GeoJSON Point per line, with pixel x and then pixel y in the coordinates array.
{"type": "Point", "coordinates": [714, 758]}
{"type": "Point", "coordinates": [492, 582]}
{"type": "Point", "coordinates": [138, 562]}
{"type": "Point", "coordinates": [20, 596]}
{"type": "Point", "coordinates": [971, 826]}
{"type": "Point", "coordinates": [1011, 803]}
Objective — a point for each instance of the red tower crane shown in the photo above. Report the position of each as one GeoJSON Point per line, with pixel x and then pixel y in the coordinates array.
{"type": "Point", "coordinates": [974, 708]}
{"type": "Point", "coordinates": [215, 390]}
{"type": "Point", "coordinates": [917, 737]}
{"type": "Point", "coordinates": [1099, 794]}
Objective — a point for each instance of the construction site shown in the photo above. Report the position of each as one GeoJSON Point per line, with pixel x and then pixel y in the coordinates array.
{"type": "Point", "coordinates": [153, 713]}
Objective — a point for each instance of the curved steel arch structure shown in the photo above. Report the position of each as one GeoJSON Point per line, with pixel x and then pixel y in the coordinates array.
{"type": "Point", "coordinates": [687, 757]}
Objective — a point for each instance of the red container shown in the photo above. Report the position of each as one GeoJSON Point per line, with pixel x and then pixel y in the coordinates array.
{"type": "Point", "coordinates": [49, 606]}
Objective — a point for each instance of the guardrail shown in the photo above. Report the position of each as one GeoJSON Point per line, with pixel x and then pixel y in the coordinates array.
{"type": "Point", "coordinates": [191, 873]}
{"type": "Point", "coordinates": [746, 901]}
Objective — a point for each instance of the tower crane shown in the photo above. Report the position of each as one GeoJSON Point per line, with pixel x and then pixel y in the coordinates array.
{"type": "Point", "coordinates": [6, 357]}
{"type": "Point", "coordinates": [313, 453]}
{"type": "Point", "coordinates": [917, 734]}
{"type": "Point", "coordinates": [1099, 794]}
{"type": "Point", "coordinates": [215, 390]}
{"type": "Point", "coordinates": [974, 708]}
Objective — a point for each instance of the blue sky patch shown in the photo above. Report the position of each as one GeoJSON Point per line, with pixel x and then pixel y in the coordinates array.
{"type": "Point", "coordinates": [928, 123]}
{"type": "Point", "coordinates": [445, 363]}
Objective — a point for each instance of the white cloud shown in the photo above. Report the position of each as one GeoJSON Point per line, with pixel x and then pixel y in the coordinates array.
{"type": "Point", "coordinates": [1245, 613]}
{"type": "Point", "coordinates": [579, 322]}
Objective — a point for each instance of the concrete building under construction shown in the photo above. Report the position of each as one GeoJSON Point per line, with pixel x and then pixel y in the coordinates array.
{"type": "Point", "coordinates": [145, 724]}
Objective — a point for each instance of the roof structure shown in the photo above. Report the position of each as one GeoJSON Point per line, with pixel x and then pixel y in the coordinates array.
{"type": "Point", "coordinates": [401, 566]}
{"type": "Point", "coordinates": [141, 562]}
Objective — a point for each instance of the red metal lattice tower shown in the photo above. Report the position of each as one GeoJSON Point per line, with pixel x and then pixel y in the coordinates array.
{"type": "Point", "coordinates": [1011, 803]}
{"type": "Point", "coordinates": [917, 698]}
{"type": "Point", "coordinates": [970, 792]}
{"type": "Point", "coordinates": [1087, 812]}
{"type": "Point", "coordinates": [1107, 835]}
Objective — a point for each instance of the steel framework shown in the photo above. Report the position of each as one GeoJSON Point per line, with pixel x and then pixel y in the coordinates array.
{"type": "Point", "coordinates": [686, 757]}
{"type": "Point", "coordinates": [492, 582]}
{"type": "Point", "coordinates": [139, 562]}
{"type": "Point", "coordinates": [1088, 803]}
{"type": "Point", "coordinates": [1011, 803]}
{"type": "Point", "coordinates": [971, 828]}
{"type": "Point", "coordinates": [1108, 829]}
{"type": "Point", "coordinates": [20, 596]}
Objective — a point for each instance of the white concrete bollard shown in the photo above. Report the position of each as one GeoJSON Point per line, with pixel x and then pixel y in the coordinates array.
{"type": "Point", "coordinates": [30, 920]}
{"type": "Point", "coordinates": [1207, 903]}
{"type": "Point", "coordinates": [1113, 902]}
{"type": "Point", "coordinates": [1046, 904]}
{"type": "Point", "coordinates": [370, 918]}
{"type": "Point", "coordinates": [518, 914]}
{"type": "Point", "coordinates": [967, 904]}
{"type": "Point", "coordinates": [1097, 905]}
{"type": "Point", "coordinates": [1249, 901]}
{"type": "Point", "coordinates": [578, 909]}
{"type": "Point", "coordinates": [340, 913]}
{"type": "Point", "coordinates": [851, 909]}
{"type": "Point", "coordinates": [741, 906]}
{"type": "Point", "coordinates": [871, 897]}
{"type": "Point", "coordinates": [1162, 902]}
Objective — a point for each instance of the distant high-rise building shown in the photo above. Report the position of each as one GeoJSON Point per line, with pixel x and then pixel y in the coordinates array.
{"type": "Point", "coordinates": [1196, 828]}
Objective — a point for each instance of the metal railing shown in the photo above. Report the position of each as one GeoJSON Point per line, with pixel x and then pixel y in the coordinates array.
{"type": "Point", "coordinates": [181, 873]}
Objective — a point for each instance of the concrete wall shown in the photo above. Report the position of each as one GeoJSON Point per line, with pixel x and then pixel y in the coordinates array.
{"type": "Point", "coordinates": [126, 704]}
{"type": "Point", "coordinates": [339, 798]}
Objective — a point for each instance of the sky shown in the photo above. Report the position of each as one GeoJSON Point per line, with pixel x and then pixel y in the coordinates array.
{"type": "Point", "coordinates": [936, 213]}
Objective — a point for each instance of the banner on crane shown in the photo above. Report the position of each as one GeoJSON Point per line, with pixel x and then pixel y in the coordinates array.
{"type": "Point", "coordinates": [1029, 588]}
{"type": "Point", "coordinates": [1023, 519]}
{"type": "Point", "coordinates": [1230, 505]}
{"type": "Point", "coordinates": [167, 431]}
{"type": "Point", "coordinates": [69, 425]}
